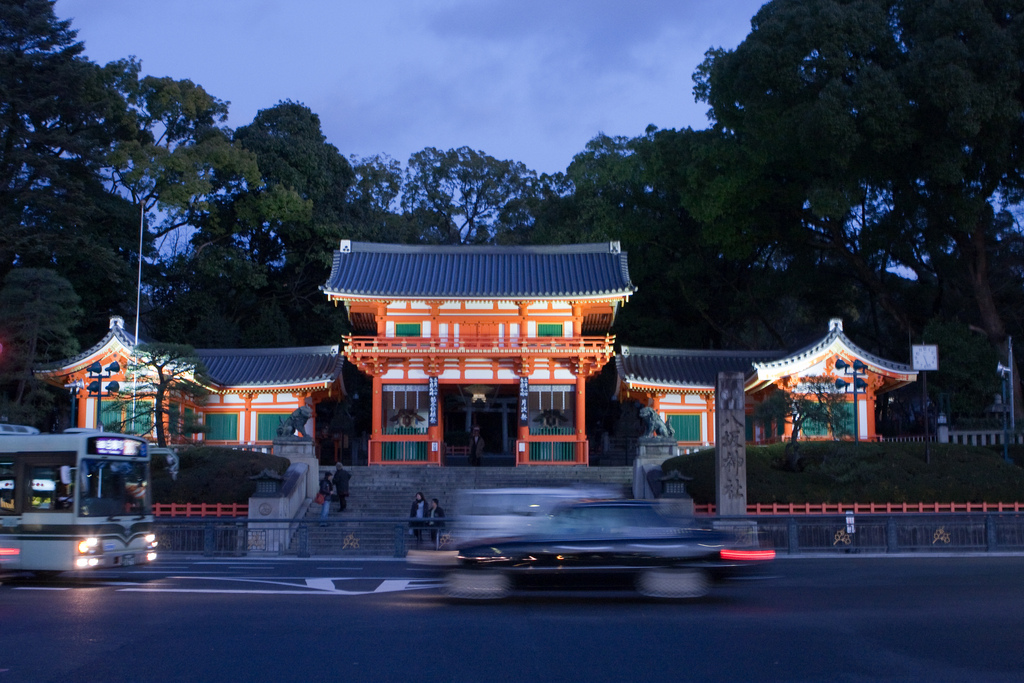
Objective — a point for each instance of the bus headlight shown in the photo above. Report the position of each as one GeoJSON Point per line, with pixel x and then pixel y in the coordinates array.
{"type": "Point", "coordinates": [88, 545]}
{"type": "Point", "coordinates": [151, 540]}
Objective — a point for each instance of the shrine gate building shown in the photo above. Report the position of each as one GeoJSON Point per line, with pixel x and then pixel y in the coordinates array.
{"type": "Point", "coordinates": [500, 338]}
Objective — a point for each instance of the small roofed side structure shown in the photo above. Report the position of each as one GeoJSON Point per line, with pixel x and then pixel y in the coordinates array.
{"type": "Point", "coordinates": [680, 384]}
{"type": "Point", "coordinates": [836, 357]}
{"type": "Point", "coordinates": [496, 338]}
{"type": "Point", "coordinates": [254, 390]}
{"type": "Point", "coordinates": [251, 391]}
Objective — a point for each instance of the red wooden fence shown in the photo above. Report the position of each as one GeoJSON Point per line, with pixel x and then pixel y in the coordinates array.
{"type": "Point", "coordinates": [242, 510]}
{"type": "Point", "coordinates": [200, 509]}
{"type": "Point", "coordinates": [840, 508]}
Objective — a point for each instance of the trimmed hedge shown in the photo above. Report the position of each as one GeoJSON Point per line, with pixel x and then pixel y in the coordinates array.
{"type": "Point", "coordinates": [207, 474]}
{"type": "Point", "coordinates": [844, 472]}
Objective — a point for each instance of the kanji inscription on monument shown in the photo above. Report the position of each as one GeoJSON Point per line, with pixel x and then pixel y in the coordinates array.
{"type": "Point", "coordinates": [730, 445]}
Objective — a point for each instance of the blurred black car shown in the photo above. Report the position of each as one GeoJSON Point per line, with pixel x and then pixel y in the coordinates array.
{"type": "Point", "coordinates": [608, 544]}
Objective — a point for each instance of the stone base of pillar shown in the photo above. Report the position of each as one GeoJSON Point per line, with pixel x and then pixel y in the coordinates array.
{"type": "Point", "coordinates": [300, 450]}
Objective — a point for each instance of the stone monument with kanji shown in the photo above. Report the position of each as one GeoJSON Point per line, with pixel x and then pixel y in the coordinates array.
{"type": "Point", "coordinates": [730, 445]}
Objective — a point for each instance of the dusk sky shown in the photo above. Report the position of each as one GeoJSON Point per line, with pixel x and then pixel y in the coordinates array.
{"type": "Point", "coordinates": [530, 80]}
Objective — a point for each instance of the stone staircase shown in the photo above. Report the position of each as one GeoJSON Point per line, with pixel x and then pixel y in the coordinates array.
{"type": "Point", "coordinates": [387, 492]}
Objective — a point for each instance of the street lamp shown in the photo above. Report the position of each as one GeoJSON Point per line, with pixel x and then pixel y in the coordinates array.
{"type": "Point", "coordinates": [97, 373]}
{"type": "Point", "coordinates": [854, 371]}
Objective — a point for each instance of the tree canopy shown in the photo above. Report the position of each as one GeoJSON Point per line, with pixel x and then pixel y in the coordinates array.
{"type": "Point", "coordinates": [863, 160]}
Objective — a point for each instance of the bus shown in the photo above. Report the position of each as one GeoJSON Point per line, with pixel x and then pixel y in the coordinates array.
{"type": "Point", "coordinates": [74, 501]}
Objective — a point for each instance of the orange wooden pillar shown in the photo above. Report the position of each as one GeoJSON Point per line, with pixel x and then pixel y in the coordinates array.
{"type": "Point", "coordinates": [582, 455]}
{"type": "Point", "coordinates": [373, 457]}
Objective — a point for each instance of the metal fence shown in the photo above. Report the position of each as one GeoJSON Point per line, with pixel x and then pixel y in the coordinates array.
{"type": "Point", "coordinates": [351, 536]}
{"type": "Point", "coordinates": [792, 535]}
{"type": "Point", "coordinates": [901, 533]}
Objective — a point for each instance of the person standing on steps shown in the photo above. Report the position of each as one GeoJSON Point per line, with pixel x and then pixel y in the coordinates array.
{"type": "Point", "coordinates": [325, 492]}
{"type": "Point", "coordinates": [416, 514]}
{"type": "Point", "coordinates": [476, 447]}
{"type": "Point", "coordinates": [436, 515]}
{"type": "Point", "coordinates": [341, 477]}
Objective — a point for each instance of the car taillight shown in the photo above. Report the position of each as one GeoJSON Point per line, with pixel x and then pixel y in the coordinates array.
{"type": "Point", "coordinates": [748, 555]}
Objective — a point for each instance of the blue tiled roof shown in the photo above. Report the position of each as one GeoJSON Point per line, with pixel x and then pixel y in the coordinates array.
{"type": "Point", "coordinates": [269, 367]}
{"type": "Point", "coordinates": [364, 269]}
{"type": "Point", "coordinates": [683, 367]}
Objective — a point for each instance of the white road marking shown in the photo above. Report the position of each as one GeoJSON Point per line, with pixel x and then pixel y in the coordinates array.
{"type": "Point", "coordinates": [311, 586]}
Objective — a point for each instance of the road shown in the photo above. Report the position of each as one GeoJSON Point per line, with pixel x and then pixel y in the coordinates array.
{"type": "Point", "coordinates": [845, 619]}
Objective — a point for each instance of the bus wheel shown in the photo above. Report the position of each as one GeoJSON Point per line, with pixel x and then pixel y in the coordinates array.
{"type": "Point", "coordinates": [47, 575]}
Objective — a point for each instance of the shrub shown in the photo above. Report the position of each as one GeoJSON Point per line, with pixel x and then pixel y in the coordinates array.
{"type": "Point", "coordinates": [208, 474]}
{"type": "Point", "coordinates": [844, 472]}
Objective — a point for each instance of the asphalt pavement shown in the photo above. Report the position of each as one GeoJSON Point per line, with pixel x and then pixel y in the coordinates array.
{"type": "Point", "coordinates": [917, 618]}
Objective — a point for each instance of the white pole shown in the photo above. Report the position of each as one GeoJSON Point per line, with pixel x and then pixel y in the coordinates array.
{"type": "Point", "coordinates": [138, 303]}
{"type": "Point", "coordinates": [1013, 426]}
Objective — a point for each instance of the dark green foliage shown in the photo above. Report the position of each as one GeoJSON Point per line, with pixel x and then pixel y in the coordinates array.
{"type": "Point", "coordinates": [844, 472]}
{"type": "Point", "coordinates": [463, 196]}
{"type": "Point", "coordinates": [57, 122]}
{"type": "Point", "coordinates": [38, 314]}
{"type": "Point", "coordinates": [967, 368]}
{"type": "Point", "coordinates": [208, 474]}
{"type": "Point", "coordinates": [885, 137]}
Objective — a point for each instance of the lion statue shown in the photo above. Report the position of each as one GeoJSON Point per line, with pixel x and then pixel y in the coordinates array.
{"type": "Point", "coordinates": [653, 424]}
{"type": "Point", "coordinates": [296, 422]}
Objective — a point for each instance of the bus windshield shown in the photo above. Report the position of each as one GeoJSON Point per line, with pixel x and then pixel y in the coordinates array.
{"type": "Point", "coordinates": [113, 487]}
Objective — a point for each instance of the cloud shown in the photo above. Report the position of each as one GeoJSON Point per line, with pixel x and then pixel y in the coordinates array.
{"type": "Point", "coordinates": [531, 80]}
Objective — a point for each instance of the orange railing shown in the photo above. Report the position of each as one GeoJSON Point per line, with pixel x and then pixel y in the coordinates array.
{"type": "Point", "coordinates": [489, 344]}
{"type": "Point", "coordinates": [200, 509]}
{"type": "Point", "coordinates": [840, 508]}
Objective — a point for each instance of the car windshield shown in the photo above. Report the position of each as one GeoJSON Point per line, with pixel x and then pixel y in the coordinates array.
{"type": "Point", "coordinates": [610, 520]}
{"type": "Point", "coordinates": [113, 487]}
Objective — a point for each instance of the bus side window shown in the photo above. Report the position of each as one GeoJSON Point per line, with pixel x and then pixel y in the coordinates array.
{"type": "Point", "coordinates": [7, 488]}
{"type": "Point", "coordinates": [45, 479]}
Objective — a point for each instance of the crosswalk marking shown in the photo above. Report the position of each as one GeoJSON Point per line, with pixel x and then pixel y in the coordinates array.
{"type": "Point", "coordinates": [310, 586]}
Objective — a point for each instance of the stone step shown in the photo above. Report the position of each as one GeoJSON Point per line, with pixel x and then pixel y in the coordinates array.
{"type": "Point", "coordinates": [387, 492]}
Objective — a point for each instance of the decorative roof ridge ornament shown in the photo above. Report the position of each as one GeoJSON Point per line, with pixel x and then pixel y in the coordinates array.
{"type": "Point", "coordinates": [116, 321]}
{"type": "Point", "coordinates": [347, 246]}
{"type": "Point", "coordinates": [835, 324]}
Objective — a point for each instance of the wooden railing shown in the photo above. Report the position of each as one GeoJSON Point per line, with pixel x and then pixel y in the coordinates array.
{"type": "Point", "coordinates": [840, 508]}
{"type": "Point", "coordinates": [489, 344]}
{"type": "Point", "coordinates": [200, 510]}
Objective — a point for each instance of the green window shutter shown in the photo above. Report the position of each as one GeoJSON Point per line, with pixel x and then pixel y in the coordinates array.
{"type": "Point", "coordinates": [174, 419]}
{"type": "Point", "coordinates": [267, 424]}
{"type": "Point", "coordinates": [143, 418]}
{"type": "Point", "coordinates": [190, 421]}
{"type": "Point", "coordinates": [550, 330]}
{"type": "Point", "coordinates": [686, 427]}
{"type": "Point", "coordinates": [220, 427]}
{"type": "Point", "coordinates": [408, 330]}
{"type": "Point", "coordinates": [110, 415]}
{"type": "Point", "coordinates": [814, 428]}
